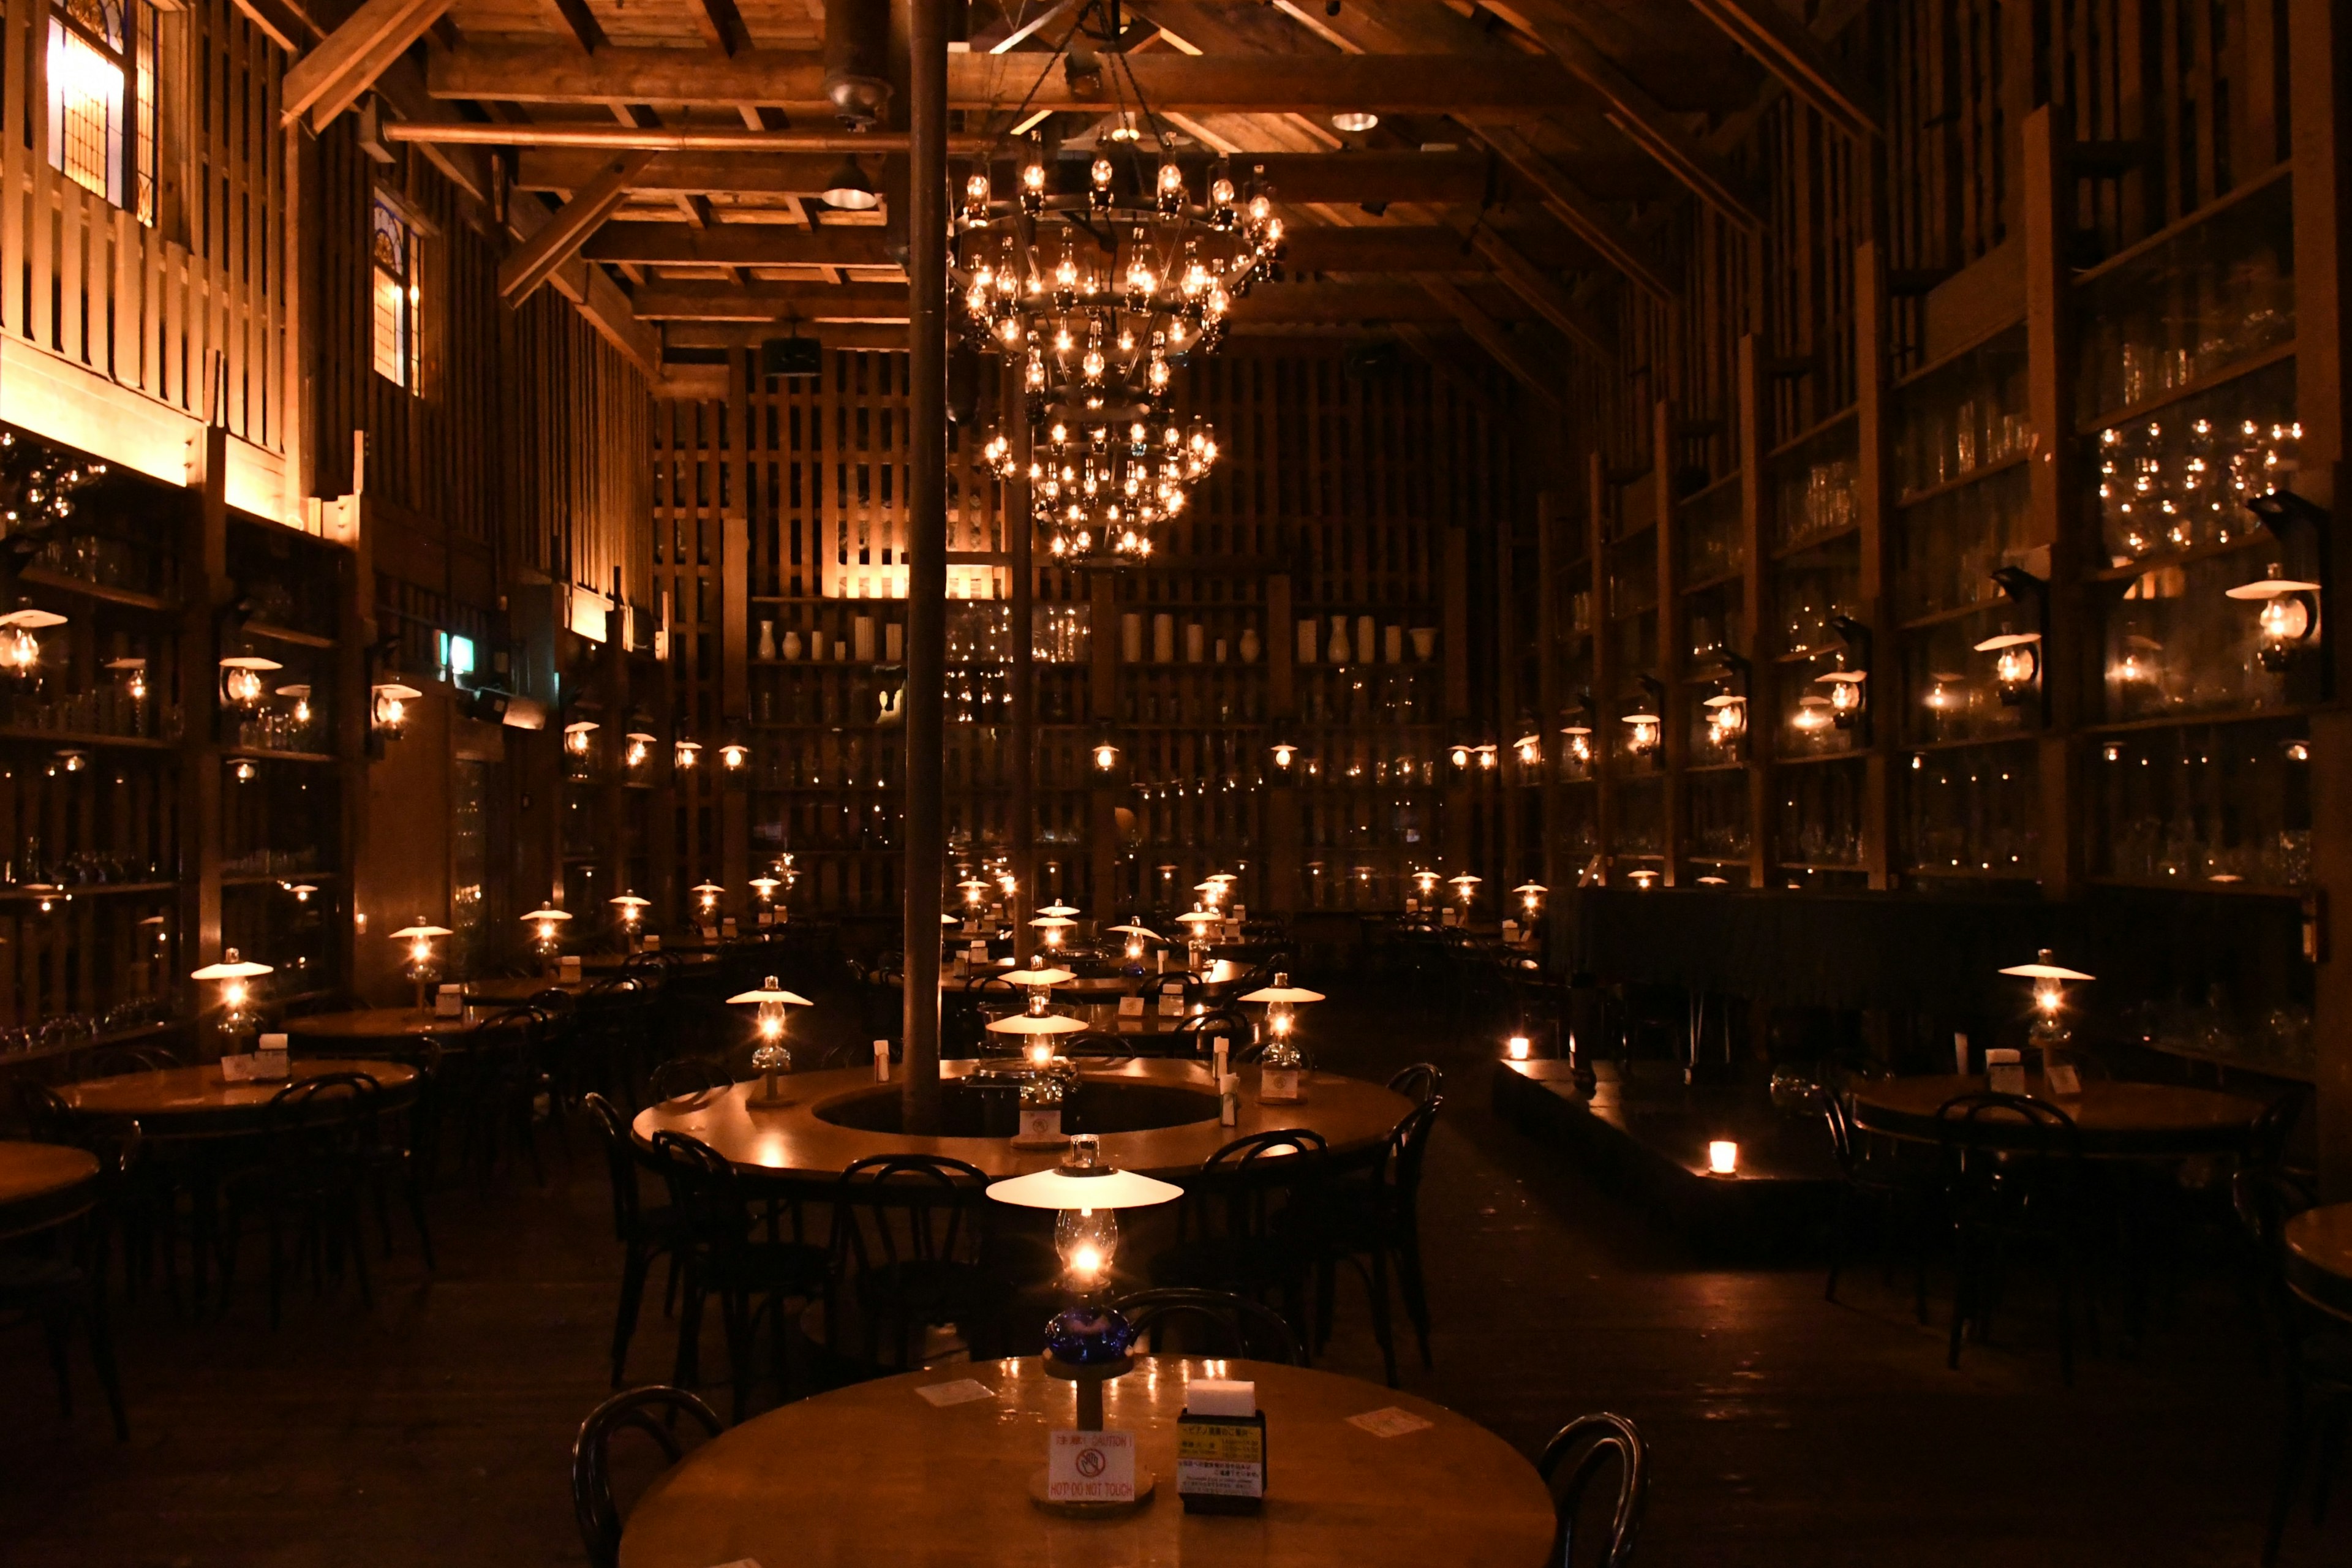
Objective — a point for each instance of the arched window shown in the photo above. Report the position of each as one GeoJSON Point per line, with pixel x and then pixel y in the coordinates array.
{"type": "Point", "coordinates": [391, 272]}
{"type": "Point", "coordinates": [101, 70]}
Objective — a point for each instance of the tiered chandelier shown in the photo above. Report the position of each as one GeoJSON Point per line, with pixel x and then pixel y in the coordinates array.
{"type": "Point", "coordinates": [1096, 293]}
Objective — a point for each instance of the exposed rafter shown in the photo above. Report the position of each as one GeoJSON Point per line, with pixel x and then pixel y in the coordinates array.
{"type": "Point", "coordinates": [1542, 293]}
{"type": "Point", "coordinates": [1781, 45]}
{"type": "Point", "coordinates": [721, 24]}
{"type": "Point", "coordinates": [1489, 335]}
{"type": "Point", "coordinates": [330, 77]}
{"type": "Point", "coordinates": [558, 241]}
{"type": "Point", "coordinates": [1569, 204]}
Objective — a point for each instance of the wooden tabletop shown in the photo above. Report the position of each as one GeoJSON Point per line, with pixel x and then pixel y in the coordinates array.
{"type": "Point", "coordinates": [607, 963]}
{"type": "Point", "coordinates": [42, 1184]}
{"type": "Point", "coordinates": [2115, 1119]}
{"type": "Point", "coordinates": [2319, 1257]}
{"type": "Point", "coordinates": [376, 1024]}
{"type": "Point", "coordinates": [510, 990]}
{"type": "Point", "coordinates": [947, 1487]}
{"type": "Point", "coordinates": [793, 1140]}
{"type": "Point", "coordinates": [196, 1102]}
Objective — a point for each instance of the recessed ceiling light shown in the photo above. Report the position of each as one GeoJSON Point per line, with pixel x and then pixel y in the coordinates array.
{"type": "Point", "coordinates": [1353, 121]}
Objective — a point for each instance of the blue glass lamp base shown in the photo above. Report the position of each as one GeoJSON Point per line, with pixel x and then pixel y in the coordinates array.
{"type": "Point", "coordinates": [1089, 1335]}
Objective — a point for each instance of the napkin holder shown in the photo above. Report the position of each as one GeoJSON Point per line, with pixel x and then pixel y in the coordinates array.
{"type": "Point", "coordinates": [1221, 1458]}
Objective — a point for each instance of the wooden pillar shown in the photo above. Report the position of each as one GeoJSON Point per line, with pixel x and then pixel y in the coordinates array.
{"type": "Point", "coordinates": [206, 592]}
{"type": "Point", "coordinates": [1549, 558]}
{"type": "Point", "coordinates": [734, 590]}
{"type": "Point", "coordinates": [1883, 691]}
{"type": "Point", "coordinates": [1019, 539]}
{"type": "Point", "coordinates": [1102, 708]}
{"type": "Point", "coordinates": [1756, 605]}
{"type": "Point", "coordinates": [926, 838]}
{"type": "Point", "coordinates": [1604, 713]}
{"type": "Point", "coordinates": [2070, 671]}
{"type": "Point", "coordinates": [1674, 711]}
{"type": "Point", "coordinates": [1282, 891]}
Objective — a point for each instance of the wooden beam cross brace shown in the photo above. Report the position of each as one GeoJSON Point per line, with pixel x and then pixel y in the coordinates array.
{"type": "Point", "coordinates": [559, 241]}
{"type": "Point", "coordinates": [330, 77]}
{"type": "Point", "coordinates": [1490, 336]}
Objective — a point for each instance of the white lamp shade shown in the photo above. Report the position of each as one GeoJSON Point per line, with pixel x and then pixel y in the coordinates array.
{"type": "Point", "coordinates": [629, 901]}
{"type": "Point", "coordinates": [1063, 910]}
{"type": "Point", "coordinates": [1531, 888]}
{"type": "Point", "coordinates": [708, 887]}
{"type": "Point", "coordinates": [419, 929]}
{"type": "Point", "coordinates": [243, 968]}
{"type": "Point", "coordinates": [38, 620]}
{"type": "Point", "coordinates": [768, 993]}
{"type": "Point", "coordinates": [1053, 920]}
{"type": "Point", "coordinates": [1292, 993]}
{"type": "Point", "coordinates": [1199, 917]}
{"type": "Point", "coordinates": [1040, 976]}
{"type": "Point", "coordinates": [766, 884]}
{"type": "Point", "coordinates": [1024, 1024]}
{"type": "Point", "coordinates": [1146, 932]}
{"type": "Point", "coordinates": [1106, 1189]}
{"type": "Point", "coordinates": [548, 915]}
{"type": "Point", "coordinates": [2046, 972]}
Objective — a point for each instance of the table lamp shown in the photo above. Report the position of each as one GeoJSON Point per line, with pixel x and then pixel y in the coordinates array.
{"type": "Point", "coordinates": [2051, 1031]}
{"type": "Point", "coordinates": [422, 970]}
{"type": "Point", "coordinates": [1137, 937]}
{"type": "Point", "coordinates": [1196, 924]}
{"type": "Point", "coordinates": [1282, 1064]}
{"type": "Point", "coordinates": [1088, 1341]}
{"type": "Point", "coordinates": [1051, 930]}
{"type": "Point", "coordinates": [546, 927]}
{"type": "Point", "coordinates": [706, 902]}
{"type": "Point", "coordinates": [765, 886]}
{"type": "Point", "coordinates": [632, 909]}
{"type": "Point", "coordinates": [1531, 897]}
{"type": "Point", "coordinates": [771, 1058]}
{"type": "Point", "coordinates": [1464, 887]}
{"type": "Point", "coordinates": [239, 997]}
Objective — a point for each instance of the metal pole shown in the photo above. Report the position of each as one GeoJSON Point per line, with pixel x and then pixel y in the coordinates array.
{"type": "Point", "coordinates": [1018, 534]}
{"type": "Point", "coordinates": [926, 568]}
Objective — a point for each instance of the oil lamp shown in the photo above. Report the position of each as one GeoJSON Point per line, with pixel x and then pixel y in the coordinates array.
{"type": "Point", "coordinates": [1282, 1063]}
{"type": "Point", "coordinates": [732, 756]}
{"type": "Point", "coordinates": [632, 909]}
{"type": "Point", "coordinates": [1464, 887]}
{"type": "Point", "coordinates": [1197, 925]}
{"type": "Point", "coordinates": [771, 1058]}
{"type": "Point", "coordinates": [2288, 618]}
{"type": "Point", "coordinates": [1106, 752]}
{"type": "Point", "coordinates": [1726, 720]}
{"type": "Point", "coordinates": [2016, 663]}
{"type": "Point", "coordinates": [73, 760]}
{"type": "Point", "coordinates": [388, 707]}
{"type": "Point", "coordinates": [1426, 881]}
{"type": "Point", "coordinates": [2050, 1031]}
{"type": "Point", "coordinates": [245, 772]}
{"type": "Point", "coordinates": [975, 893]}
{"type": "Point", "coordinates": [765, 888]}
{"type": "Point", "coordinates": [1642, 734]}
{"type": "Point", "coordinates": [546, 928]}
{"type": "Point", "coordinates": [1487, 754]}
{"type": "Point", "coordinates": [1531, 897]}
{"type": "Point", "coordinates": [240, 1017]}
{"type": "Point", "coordinates": [686, 753]}
{"type": "Point", "coordinates": [422, 969]}
{"type": "Point", "coordinates": [1459, 753]}
{"type": "Point", "coordinates": [1812, 714]}
{"type": "Point", "coordinates": [1284, 754]}
{"type": "Point", "coordinates": [1051, 930]}
{"type": "Point", "coordinates": [1529, 747]}
{"type": "Point", "coordinates": [20, 642]}
{"type": "Point", "coordinates": [576, 735]}
{"type": "Point", "coordinates": [706, 902]}
{"type": "Point", "coordinates": [299, 696]}
{"type": "Point", "coordinates": [640, 746]}
{"type": "Point", "coordinates": [1138, 937]}
{"type": "Point", "coordinates": [1086, 1195]}
{"type": "Point", "coordinates": [241, 683]}
{"type": "Point", "coordinates": [1031, 1029]}
{"type": "Point", "coordinates": [1210, 891]}
{"type": "Point", "coordinates": [301, 890]}
{"type": "Point", "coordinates": [1845, 696]}
{"type": "Point", "coordinates": [131, 671]}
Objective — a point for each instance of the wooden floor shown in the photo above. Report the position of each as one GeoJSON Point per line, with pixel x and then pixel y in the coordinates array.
{"type": "Point", "coordinates": [434, 1429]}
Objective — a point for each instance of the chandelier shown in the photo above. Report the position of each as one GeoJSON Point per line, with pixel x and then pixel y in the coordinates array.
{"type": "Point", "coordinates": [1096, 286]}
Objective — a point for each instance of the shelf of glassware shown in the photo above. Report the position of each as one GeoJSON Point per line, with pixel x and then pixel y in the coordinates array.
{"type": "Point", "coordinates": [1815, 546]}
{"type": "Point", "coordinates": [2208, 807]}
{"type": "Point", "coordinates": [1718, 835]}
{"type": "Point", "coordinates": [1711, 578]}
{"type": "Point", "coordinates": [1818, 815]}
{"type": "Point", "coordinates": [1969, 811]}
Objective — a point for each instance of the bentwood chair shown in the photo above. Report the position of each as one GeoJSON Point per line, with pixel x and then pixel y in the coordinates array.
{"type": "Point", "coordinates": [1577, 1454]}
{"type": "Point", "coordinates": [652, 1412]}
{"type": "Point", "coordinates": [67, 1284]}
{"type": "Point", "coordinates": [2012, 1182]}
{"type": "Point", "coordinates": [912, 1247]}
{"type": "Point", "coordinates": [643, 1232]}
{"type": "Point", "coordinates": [2316, 1351]}
{"type": "Point", "coordinates": [1421, 1082]}
{"type": "Point", "coordinates": [1210, 1323]}
{"type": "Point", "coordinates": [722, 1256]}
{"type": "Point", "coordinates": [1239, 1226]}
{"type": "Point", "coordinates": [683, 1075]}
{"type": "Point", "coordinates": [1900, 1194]}
{"type": "Point", "coordinates": [1371, 1220]}
{"type": "Point", "coordinates": [319, 1138]}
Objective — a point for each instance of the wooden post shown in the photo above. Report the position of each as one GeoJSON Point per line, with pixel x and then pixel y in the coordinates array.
{"type": "Point", "coordinates": [1674, 712]}
{"type": "Point", "coordinates": [1548, 566]}
{"type": "Point", "coordinates": [1756, 605]}
{"type": "Point", "coordinates": [1604, 673]}
{"type": "Point", "coordinates": [734, 589]}
{"type": "Point", "coordinates": [2070, 666]}
{"type": "Point", "coordinates": [926, 555]}
{"type": "Point", "coordinates": [1883, 692]}
{"type": "Point", "coordinates": [207, 592]}
{"type": "Point", "coordinates": [1019, 538]}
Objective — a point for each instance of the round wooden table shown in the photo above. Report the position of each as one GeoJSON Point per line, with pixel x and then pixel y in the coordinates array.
{"type": "Point", "coordinates": [513, 990]}
{"type": "Point", "coordinates": [197, 1102]}
{"type": "Point", "coordinates": [795, 1140]}
{"type": "Point", "coordinates": [611, 963]}
{"type": "Point", "coordinates": [948, 1485]}
{"type": "Point", "coordinates": [373, 1026]}
{"type": "Point", "coordinates": [42, 1184]}
{"type": "Point", "coordinates": [2319, 1257]}
{"type": "Point", "coordinates": [2116, 1121]}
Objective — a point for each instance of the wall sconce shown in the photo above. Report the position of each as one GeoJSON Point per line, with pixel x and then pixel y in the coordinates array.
{"type": "Point", "coordinates": [733, 755]}
{"type": "Point", "coordinates": [20, 641]}
{"type": "Point", "coordinates": [1812, 715]}
{"type": "Point", "coordinates": [1284, 752]}
{"type": "Point", "coordinates": [1459, 754]}
{"type": "Point", "coordinates": [2016, 663]}
{"type": "Point", "coordinates": [2139, 664]}
{"type": "Point", "coordinates": [1644, 881]}
{"type": "Point", "coordinates": [388, 708]}
{"type": "Point", "coordinates": [640, 746]}
{"type": "Point", "coordinates": [301, 696]}
{"type": "Point", "coordinates": [1849, 693]}
{"type": "Point", "coordinates": [2288, 619]}
{"type": "Point", "coordinates": [1106, 751]}
{"type": "Point", "coordinates": [1642, 734]}
{"type": "Point", "coordinates": [301, 890]}
{"type": "Point", "coordinates": [72, 761]}
{"type": "Point", "coordinates": [245, 772]}
{"type": "Point", "coordinates": [241, 683]}
{"type": "Point", "coordinates": [1846, 697]}
{"type": "Point", "coordinates": [685, 754]}
{"type": "Point", "coordinates": [131, 672]}
{"type": "Point", "coordinates": [1488, 754]}
{"type": "Point", "coordinates": [1578, 729]}
{"type": "Point", "coordinates": [578, 736]}
{"type": "Point", "coordinates": [1529, 747]}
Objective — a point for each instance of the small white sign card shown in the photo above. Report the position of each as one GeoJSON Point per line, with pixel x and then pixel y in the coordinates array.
{"type": "Point", "coordinates": [1389, 1421]}
{"type": "Point", "coordinates": [1131, 1007]}
{"type": "Point", "coordinates": [1090, 1466]}
{"type": "Point", "coordinates": [2065, 1079]}
{"type": "Point", "coordinates": [962, 1391]}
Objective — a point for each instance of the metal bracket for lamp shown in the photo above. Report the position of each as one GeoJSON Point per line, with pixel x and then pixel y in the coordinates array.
{"type": "Point", "coordinates": [2284, 513]}
{"type": "Point", "coordinates": [1736, 689]}
{"type": "Point", "coordinates": [1855, 662]}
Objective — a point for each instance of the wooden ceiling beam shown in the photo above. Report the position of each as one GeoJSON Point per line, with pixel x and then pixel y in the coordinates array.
{"type": "Point", "coordinates": [738, 245]}
{"type": "Point", "coordinates": [1471, 179]}
{"type": "Point", "coordinates": [330, 77]}
{"type": "Point", "coordinates": [1489, 334]}
{"type": "Point", "coordinates": [1780, 44]}
{"type": "Point", "coordinates": [1448, 364]}
{"type": "Point", "coordinates": [1629, 106]}
{"type": "Point", "coordinates": [591, 292]}
{"type": "Point", "coordinates": [721, 25]}
{"type": "Point", "coordinates": [1197, 84]}
{"type": "Point", "coordinates": [559, 239]}
{"type": "Point", "coordinates": [1542, 293]}
{"type": "Point", "coordinates": [1368, 303]}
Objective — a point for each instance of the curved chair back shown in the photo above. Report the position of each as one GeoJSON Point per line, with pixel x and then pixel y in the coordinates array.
{"type": "Point", "coordinates": [1198, 1030]}
{"type": "Point", "coordinates": [2267, 1139]}
{"type": "Point", "coordinates": [1421, 1081]}
{"type": "Point", "coordinates": [1233, 1325]}
{"type": "Point", "coordinates": [889, 1209]}
{"type": "Point", "coordinates": [1409, 1148]}
{"type": "Point", "coordinates": [319, 1131]}
{"type": "Point", "coordinates": [46, 1113]}
{"type": "Point", "coordinates": [1840, 1125]}
{"type": "Point", "coordinates": [116, 1060]}
{"type": "Point", "coordinates": [1578, 1453]}
{"type": "Point", "coordinates": [1239, 1181]}
{"type": "Point", "coordinates": [620, 1162]}
{"type": "Point", "coordinates": [636, 1410]}
{"type": "Point", "coordinates": [683, 1075]}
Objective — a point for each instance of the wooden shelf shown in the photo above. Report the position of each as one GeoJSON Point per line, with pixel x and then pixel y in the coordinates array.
{"type": "Point", "coordinates": [288, 634]}
{"type": "Point", "coordinates": [1814, 759]}
{"type": "Point", "coordinates": [1975, 476]}
{"type": "Point", "coordinates": [2202, 885]}
{"type": "Point", "coordinates": [2186, 223]}
{"type": "Point", "coordinates": [75, 737]}
{"type": "Point", "coordinates": [1720, 579]}
{"type": "Point", "coordinates": [2147, 564]}
{"type": "Point", "coordinates": [41, 577]}
{"type": "Point", "coordinates": [260, 879]}
{"type": "Point", "coordinates": [1968, 873]}
{"type": "Point", "coordinates": [1790, 551]}
{"type": "Point", "coordinates": [2110, 418]}
{"type": "Point", "coordinates": [1970, 742]}
{"type": "Point", "coordinates": [1949, 357]}
{"type": "Point", "coordinates": [1798, 442]}
{"type": "Point", "coordinates": [1956, 613]}
{"type": "Point", "coordinates": [91, 891]}
{"type": "Point", "coordinates": [266, 755]}
{"type": "Point", "coordinates": [2193, 721]}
